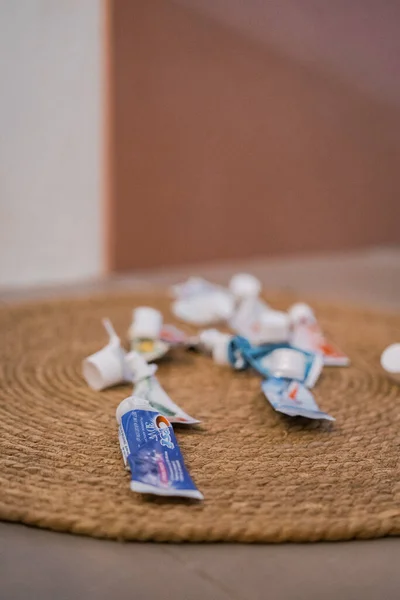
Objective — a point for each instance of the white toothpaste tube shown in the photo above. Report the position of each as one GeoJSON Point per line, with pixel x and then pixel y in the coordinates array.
{"type": "Point", "coordinates": [307, 335]}
{"type": "Point", "coordinates": [147, 386]}
{"type": "Point", "coordinates": [292, 398]}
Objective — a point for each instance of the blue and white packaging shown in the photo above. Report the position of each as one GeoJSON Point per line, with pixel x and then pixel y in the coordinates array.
{"type": "Point", "coordinates": [276, 360]}
{"type": "Point", "coordinates": [151, 452]}
{"type": "Point", "coordinates": [292, 398]}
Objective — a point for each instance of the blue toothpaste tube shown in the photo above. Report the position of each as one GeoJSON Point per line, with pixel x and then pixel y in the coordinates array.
{"type": "Point", "coordinates": [292, 398]}
{"type": "Point", "coordinates": [282, 361]}
{"type": "Point", "coordinates": [151, 452]}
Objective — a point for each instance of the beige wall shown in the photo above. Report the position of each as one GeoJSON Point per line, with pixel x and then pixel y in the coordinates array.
{"type": "Point", "coordinates": [50, 140]}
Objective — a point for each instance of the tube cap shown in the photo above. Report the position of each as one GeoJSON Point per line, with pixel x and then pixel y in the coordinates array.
{"type": "Point", "coordinates": [104, 368]}
{"type": "Point", "coordinates": [220, 349]}
{"type": "Point", "coordinates": [301, 313]}
{"type": "Point", "coordinates": [390, 361]}
{"type": "Point", "coordinates": [244, 285]}
{"type": "Point", "coordinates": [147, 323]}
{"type": "Point", "coordinates": [287, 363]}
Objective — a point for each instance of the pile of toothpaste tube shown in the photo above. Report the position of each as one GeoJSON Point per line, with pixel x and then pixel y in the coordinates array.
{"type": "Point", "coordinates": [287, 349]}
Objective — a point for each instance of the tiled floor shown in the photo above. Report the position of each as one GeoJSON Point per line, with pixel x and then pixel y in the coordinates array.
{"type": "Point", "coordinates": [43, 565]}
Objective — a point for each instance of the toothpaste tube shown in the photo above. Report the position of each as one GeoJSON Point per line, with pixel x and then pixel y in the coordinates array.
{"type": "Point", "coordinates": [260, 324]}
{"type": "Point", "coordinates": [310, 337]}
{"type": "Point", "coordinates": [151, 452]}
{"type": "Point", "coordinates": [148, 387]}
{"type": "Point", "coordinates": [204, 309]}
{"type": "Point", "coordinates": [307, 335]}
{"type": "Point", "coordinates": [293, 399]}
{"type": "Point", "coordinates": [247, 320]}
{"type": "Point", "coordinates": [202, 303]}
{"type": "Point", "coordinates": [276, 360]}
{"type": "Point", "coordinates": [253, 318]}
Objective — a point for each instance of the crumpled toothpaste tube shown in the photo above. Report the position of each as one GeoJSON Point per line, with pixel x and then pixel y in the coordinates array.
{"type": "Point", "coordinates": [260, 324]}
{"type": "Point", "coordinates": [201, 302]}
{"type": "Point", "coordinates": [205, 309]}
{"type": "Point", "coordinates": [307, 334]}
{"type": "Point", "coordinates": [147, 386]}
{"type": "Point", "coordinates": [293, 399]}
{"type": "Point", "coordinates": [275, 360]}
{"type": "Point", "coordinates": [151, 452]}
{"type": "Point", "coordinates": [257, 322]}
{"type": "Point", "coordinates": [253, 318]}
{"type": "Point", "coordinates": [106, 367]}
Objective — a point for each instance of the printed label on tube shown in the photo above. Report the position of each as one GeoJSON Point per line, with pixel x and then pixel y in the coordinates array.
{"type": "Point", "coordinates": [292, 398]}
{"type": "Point", "coordinates": [308, 336]}
{"type": "Point", "coordinates": [151, 452]}
{"type": "Point", "coordinates": [150, 389]}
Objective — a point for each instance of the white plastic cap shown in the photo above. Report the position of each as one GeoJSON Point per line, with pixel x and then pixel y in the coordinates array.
{"type": "Point", "coordinates": [138, 367]}
{"type": "Point", "coordinates": [301, 312]}
{"type": "Point", "coordinates": [104, 368]}
{"type": "Point", "coordinates": [147, 323]}
{"type": "Point", "coordinates": [274, 327]}
{"type": "Point", "coordinates": [286, 362]}
{"type": "Point", "coordinates": [208, 338]}
{"type": "Point", "coordinates": [244, 285]}
{"type": "Point", "coordinates": [220, 349]}
{"type": "Point", "coordinates": [130, 404]}
{"type": "Point", "coordinates": [390, 361]}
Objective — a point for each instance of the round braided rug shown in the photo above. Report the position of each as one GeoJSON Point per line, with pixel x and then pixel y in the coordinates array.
{"type": "Point", "coordinates": [265, 478]}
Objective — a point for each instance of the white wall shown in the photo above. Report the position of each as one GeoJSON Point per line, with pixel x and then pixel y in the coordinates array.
{"type": "Point", "coordinates": [50, 140]}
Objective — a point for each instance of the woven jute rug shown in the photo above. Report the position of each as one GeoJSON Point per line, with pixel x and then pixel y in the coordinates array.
{"type": "Point", "coordinates": [265, 478]}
